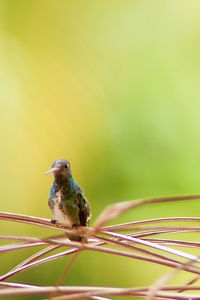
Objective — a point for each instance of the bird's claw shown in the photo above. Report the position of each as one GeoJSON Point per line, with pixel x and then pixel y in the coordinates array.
{"type": "Point", "coordinates": [53, 221]}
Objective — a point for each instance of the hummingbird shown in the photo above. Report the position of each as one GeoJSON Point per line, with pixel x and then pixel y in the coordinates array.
{"type": "Point", "coordinates": [67, 200]}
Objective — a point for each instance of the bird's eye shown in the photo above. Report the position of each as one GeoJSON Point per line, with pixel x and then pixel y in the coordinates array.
{"type": "Point", "coordinates": [66, 166]}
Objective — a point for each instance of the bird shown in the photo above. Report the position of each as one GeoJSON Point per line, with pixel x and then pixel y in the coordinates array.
{"type": "Point", "coordinates": [67, 201]}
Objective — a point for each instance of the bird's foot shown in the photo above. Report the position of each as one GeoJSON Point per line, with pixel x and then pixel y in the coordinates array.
{"type": "Point", "coordinates": [53, 221]}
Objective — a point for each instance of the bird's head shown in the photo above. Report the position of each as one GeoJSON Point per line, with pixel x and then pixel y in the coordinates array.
{"type": "Point", "coordinates": [60, 167]}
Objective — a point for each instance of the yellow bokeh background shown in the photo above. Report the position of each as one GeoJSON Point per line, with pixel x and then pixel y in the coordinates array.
{"type": "Point", "coordinates": [113, 86]}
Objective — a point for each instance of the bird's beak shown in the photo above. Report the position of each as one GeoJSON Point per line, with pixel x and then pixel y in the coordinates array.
{"type": "Point", "coordinates": [52, 170]}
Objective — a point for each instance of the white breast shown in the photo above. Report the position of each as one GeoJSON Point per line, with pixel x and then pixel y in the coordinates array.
{"type": "Point", "coordinates": [58, 213]}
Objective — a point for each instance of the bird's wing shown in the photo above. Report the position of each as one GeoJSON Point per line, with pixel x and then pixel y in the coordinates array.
{"type": "Point", "coordinates": [52, 193]}
{"type": "Point", "coordinates": [84, 209]}
{"type": "Point", "coordinates": [78, 188]}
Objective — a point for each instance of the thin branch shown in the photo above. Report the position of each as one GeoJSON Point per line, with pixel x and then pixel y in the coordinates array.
{"type": "Point", "coordinates": [95, 290]}
{"type": "Point", "coordinates": [35, 256]}
{"type": "Point", "coordinates": [178, 243]}
{"type": "Point", "coordinates": [98, 249]}
{"type": "Point", "coordinates": [135, 248]}
{"type": "Point", "coordinates": [113, 211]}
{"type": "Point", "coordinates": [36, 263]}
{"type": "Point", "coordinates": [17, 246]}
{"type": "Point", "coordinates": [150, 221]}
{"type": "Point", "coordinates": [41, 222]}
{"type": "Point", "coordinates": [154, 245]}
{"type": "Point", "coordinates": [18, 285]}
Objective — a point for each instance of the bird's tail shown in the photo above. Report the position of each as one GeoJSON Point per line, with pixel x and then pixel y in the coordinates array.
{"type": "Point", "coordinates": [76, 238]}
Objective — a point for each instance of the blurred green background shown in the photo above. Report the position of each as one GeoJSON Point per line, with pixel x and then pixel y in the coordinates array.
{"type": "Point", "coordinates": [113, 86]}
